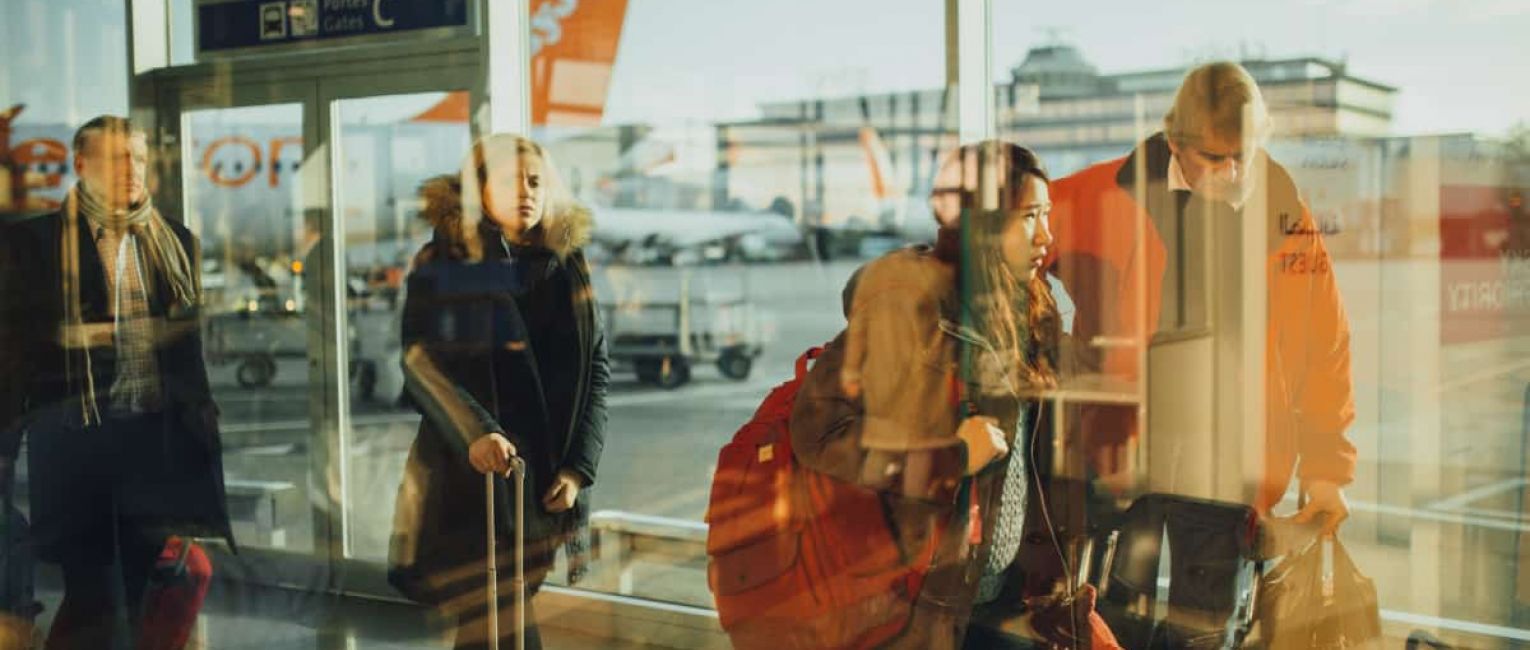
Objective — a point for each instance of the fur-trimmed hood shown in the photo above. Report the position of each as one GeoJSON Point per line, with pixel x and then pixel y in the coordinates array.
{"type": "Point", "coordinates": [566, 226]}
{"type": "Point", "coordinates": [569, 230]}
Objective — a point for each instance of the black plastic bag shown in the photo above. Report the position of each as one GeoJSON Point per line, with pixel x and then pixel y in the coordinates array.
{"type": "Point", "coordinates": [1303, 606]}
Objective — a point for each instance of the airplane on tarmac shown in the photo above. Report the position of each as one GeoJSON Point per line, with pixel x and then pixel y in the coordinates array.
{"type": "Point", "coordinates": [244, 198]}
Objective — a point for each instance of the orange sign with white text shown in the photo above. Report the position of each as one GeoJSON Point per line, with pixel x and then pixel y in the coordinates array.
{"type": "Point", "coordinates": [573, 50]}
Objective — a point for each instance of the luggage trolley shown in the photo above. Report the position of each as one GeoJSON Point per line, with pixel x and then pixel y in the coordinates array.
{"type": "Point", "coordinates": [1207, 596]}
{"type": "Point", "coordinates": [256, 339]}
{"type": "Point", "coordinates": [662, 340]}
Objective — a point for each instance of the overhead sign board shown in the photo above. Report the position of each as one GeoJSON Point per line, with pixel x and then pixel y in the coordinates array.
{"type": "Point", "coordinates": [244, 26]}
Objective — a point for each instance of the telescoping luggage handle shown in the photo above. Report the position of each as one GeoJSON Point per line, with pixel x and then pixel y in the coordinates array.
{"type": "Point", "coordinates": [518, 584]}
{"type": "Point", "coordinates": [802, 361]}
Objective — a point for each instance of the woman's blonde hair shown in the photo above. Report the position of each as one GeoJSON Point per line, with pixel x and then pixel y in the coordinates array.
{"type": "Point", "coordinates": [455, 207]}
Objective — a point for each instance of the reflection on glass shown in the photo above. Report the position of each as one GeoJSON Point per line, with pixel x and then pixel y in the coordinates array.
{"type": "Point", "coordinates": [1420, 217]}
{"type": "Point", "coordinates": [244, 200]}
{"type": "Point", "coordinates": [743, 159]}
{"type": "Point", "coordinates": [388, 146]}
{"type": "Point", "coordinates": [726, 224]}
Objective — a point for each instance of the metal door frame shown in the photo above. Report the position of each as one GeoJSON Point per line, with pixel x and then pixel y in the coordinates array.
{"type": "Point", "coordinates": [317, 81]}
{"type": "Point", "coordinates": [355, 575]}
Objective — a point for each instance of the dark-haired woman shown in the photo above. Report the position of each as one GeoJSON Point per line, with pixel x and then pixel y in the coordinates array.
{"type": "Point", "coordinates": [921, 398]}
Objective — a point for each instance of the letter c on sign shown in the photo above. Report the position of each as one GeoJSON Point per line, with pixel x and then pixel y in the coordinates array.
{"type": "Point", "coordinates": [216, 175]}
{"type": "Point", "coordinates": [377, 15]}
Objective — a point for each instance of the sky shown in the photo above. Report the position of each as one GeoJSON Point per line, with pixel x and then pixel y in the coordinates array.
{"type": "Point", "coordinates": [63, 59]}
{"type": "Point", "coordinates": [1457, 63]}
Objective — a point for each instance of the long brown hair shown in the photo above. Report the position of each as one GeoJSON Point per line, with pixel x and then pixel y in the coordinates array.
{"type": "Point", "coordinates": [1018, 317]}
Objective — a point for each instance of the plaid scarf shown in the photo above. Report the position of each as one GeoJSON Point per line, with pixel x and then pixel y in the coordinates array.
{"type": "Point", "coordinates": [144, 237]}
{"type": "Point", "coordinates": [163, 250]}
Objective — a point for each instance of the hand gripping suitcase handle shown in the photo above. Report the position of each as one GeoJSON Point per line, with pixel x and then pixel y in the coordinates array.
{"type": "Point", "coordinates": [518, 584]}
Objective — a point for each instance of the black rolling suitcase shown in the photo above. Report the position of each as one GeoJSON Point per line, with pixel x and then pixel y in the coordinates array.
{"type": "Point", "coordinates": [1214, 559]}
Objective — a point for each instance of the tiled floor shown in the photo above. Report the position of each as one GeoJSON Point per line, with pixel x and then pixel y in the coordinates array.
{"type": "Point", "coordinates": [244, 617]}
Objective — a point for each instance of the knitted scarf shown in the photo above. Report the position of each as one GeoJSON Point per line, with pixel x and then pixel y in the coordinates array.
{"type": "Point", "coordinates": [161, 249]}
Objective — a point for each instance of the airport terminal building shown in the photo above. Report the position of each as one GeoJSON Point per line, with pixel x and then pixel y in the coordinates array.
{"type": "Point", "coordinates": [1053, 101]}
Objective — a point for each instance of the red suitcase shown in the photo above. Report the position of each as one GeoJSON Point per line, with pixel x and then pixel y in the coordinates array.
{"type": "Point", "coordinates": [179, 584]}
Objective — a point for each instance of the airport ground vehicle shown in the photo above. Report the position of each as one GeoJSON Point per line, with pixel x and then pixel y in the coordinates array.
{"type": "Point", "coordinates": [257, 339]}
{"type": "Point", "coordinates": [662, 337]}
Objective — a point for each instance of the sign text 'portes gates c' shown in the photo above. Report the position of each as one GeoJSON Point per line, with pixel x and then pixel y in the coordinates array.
{"type": "Point", "coordinates": [229, 25]}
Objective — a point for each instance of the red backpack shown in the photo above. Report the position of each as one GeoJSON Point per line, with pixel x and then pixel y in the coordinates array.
{"type": "Point", "coordinates": [800, 559]}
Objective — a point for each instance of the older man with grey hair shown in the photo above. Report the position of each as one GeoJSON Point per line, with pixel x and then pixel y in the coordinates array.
{"type": "Point", "coordinates": [103, 374]}
{"type": "Point", "coordinates": [1180, 187]}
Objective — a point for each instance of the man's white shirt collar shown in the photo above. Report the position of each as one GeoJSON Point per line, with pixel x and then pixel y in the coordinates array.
{"type": "Point", "coordinates": [1178, 182]}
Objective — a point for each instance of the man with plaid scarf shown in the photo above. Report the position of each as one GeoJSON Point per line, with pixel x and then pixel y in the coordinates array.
{"type": "Point", "coordinates": [101, 370]}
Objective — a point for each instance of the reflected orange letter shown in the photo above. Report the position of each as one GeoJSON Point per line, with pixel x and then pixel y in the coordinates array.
{"type": "Point", "coordinates": [216, 175]}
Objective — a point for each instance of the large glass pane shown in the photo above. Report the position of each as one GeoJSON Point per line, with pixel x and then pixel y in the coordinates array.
{"type": "Point", "coordinates": [1249, 313]}
{"type": "Point", "coordinates": [244, 199]}
{"type": "Point", "coordinates": [738, 176]}
{"type": "Point", "coordinates": [388, 146]}
{"type": "Point", "coordinates": [78, 43]}
{"type": "Point", "coordinates": [1393, 190]}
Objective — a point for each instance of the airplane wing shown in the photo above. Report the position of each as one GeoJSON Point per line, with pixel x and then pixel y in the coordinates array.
{"type": "Point", "coordinates": [684, 228]}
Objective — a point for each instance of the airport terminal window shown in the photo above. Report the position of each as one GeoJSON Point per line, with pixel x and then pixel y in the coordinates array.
{"type": "Point", "coordinates": [741, 161]}
{"type": "Point", "coordinates": [244, 200]}
{"type": "Point", "coordinates": [82, 42]}
{"type": "Point", "coordinates": [391, 145]}
{"type": "Point", "coordinates": [1414, 182]}
{"type": "Point", "coordinates": [734, 191]}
